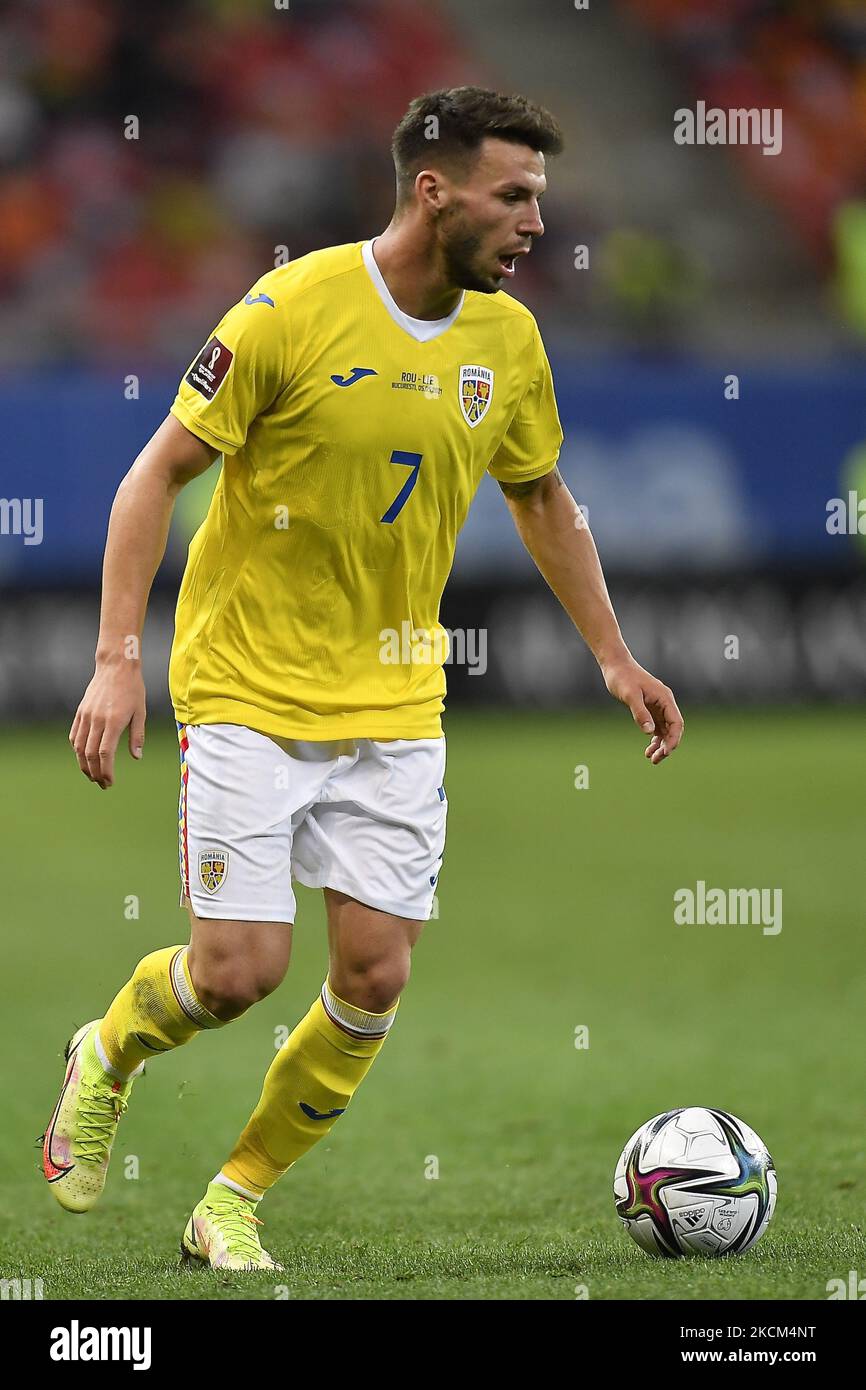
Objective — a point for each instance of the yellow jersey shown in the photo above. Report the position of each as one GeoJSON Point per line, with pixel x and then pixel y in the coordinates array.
{"type": "Point", "coordinates": [353, 439]}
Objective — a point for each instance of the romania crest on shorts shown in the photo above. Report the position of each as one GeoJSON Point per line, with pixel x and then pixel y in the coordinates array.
{"type": "Point", "coordinates": [476, 393]}
{"type": "Point", "coordinates": [213, 866]}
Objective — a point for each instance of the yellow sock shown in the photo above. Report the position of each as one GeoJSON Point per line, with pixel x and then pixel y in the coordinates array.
{"type": "Point", "coordinates": [308, 1085]}
{"type": "Point", "coordinates": [155, 1011]}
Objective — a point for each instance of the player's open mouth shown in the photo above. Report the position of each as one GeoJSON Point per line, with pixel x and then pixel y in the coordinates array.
{"type": "Point", "coordinates": [508, 262]}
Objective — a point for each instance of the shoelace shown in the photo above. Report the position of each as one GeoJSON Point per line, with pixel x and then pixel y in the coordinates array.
{"type": "Point", "coordinates": [238, 1228]}
{"type": "Point", "coordinates": [98, 1113]}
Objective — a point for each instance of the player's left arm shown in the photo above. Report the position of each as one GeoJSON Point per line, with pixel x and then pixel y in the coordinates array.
{"type": "Point", "coordinates": [557, 536]}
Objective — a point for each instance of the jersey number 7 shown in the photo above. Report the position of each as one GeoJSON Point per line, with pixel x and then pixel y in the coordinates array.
{"type": "Point", "coordinates": [412, 461]}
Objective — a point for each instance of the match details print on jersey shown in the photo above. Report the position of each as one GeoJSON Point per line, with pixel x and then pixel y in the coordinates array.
{"type": "Point", "coordinates": [353, 441]}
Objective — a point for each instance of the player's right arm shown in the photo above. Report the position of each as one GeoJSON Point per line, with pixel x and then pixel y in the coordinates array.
{"type": "Point", "coordinates": [236, 376]}
{"type": "Point", "coordinates": [137, 534]}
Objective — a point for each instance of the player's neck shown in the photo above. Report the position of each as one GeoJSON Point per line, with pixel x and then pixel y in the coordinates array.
{"type": "Point", "coordinates": [416, 281]}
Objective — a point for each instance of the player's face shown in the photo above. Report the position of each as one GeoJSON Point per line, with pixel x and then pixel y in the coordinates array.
{"type": "Point", "coordinates": [493, 216]}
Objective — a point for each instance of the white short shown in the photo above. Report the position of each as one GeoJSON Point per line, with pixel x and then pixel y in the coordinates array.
{"type": "Point", "coordinates": [362, 816]}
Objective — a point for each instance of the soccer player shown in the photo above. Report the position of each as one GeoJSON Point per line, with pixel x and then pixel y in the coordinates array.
{"type": "Point", "coordinates": [357, 397]}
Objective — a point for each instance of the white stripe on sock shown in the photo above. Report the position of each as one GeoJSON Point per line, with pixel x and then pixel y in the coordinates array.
{"type": "Point", "coordinates": [196, 1011]}
{"type": "Point", "coordinates": [357, 1021]}
{"type": "Point", "coordinates": [106, 1065]}
{"type": "Point", "coordinates": [223, 1181]}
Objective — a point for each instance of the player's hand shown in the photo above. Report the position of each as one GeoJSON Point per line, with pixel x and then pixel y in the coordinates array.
{"type": "Point", "coordinates": [113, 701]}
{"type": "Point", "coordinates": [652, 704]}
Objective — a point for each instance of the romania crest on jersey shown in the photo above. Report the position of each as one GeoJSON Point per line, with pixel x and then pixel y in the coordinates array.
{"type": "Point", "coordinates": [476, 393]}
{"type": "Point", "coordinates": [212, 868]}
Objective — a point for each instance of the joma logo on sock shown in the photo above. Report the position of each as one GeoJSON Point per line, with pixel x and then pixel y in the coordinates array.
{"type": "Point", "coordinates": [319, 1114]}
{"type": "Point", "coordinates": [77, 1343]}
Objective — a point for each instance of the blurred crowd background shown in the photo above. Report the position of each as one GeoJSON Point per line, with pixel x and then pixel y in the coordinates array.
{"type": "Point", "coordinates": [152, 156]}
{"type": "Point", "coordinates": [708, 353]}
{"type": "Point", "coordinates": [255, 127]}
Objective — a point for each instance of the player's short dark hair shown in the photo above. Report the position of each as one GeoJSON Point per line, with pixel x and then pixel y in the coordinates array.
{"type": "Point", "coordinates": [463, 117]}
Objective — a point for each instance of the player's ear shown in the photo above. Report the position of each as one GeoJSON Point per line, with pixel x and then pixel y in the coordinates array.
{"type": "Point", "coordinates": [430, 190]}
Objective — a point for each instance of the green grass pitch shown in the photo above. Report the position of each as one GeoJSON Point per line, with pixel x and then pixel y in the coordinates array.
{"type": "Point", "coordinates": [555, 910]}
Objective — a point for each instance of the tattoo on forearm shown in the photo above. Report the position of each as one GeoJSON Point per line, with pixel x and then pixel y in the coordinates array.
{"type": "Point", "coordinates": [518, 491]}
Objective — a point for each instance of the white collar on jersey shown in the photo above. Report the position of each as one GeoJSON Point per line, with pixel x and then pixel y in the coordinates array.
{"type": "Point", "coordinates": [420, 329]}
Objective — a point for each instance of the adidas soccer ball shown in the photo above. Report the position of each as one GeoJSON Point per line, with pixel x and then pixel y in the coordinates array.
{"type": "Point", "coordinates": [695, 1182]}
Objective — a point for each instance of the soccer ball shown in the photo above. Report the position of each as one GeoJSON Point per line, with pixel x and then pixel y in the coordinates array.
{"type": "Point", "coordinates": [695, 1182]}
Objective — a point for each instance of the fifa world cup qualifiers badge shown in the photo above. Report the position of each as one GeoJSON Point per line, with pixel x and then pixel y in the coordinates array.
{"type": "Point", "coordinates": [208, 371]}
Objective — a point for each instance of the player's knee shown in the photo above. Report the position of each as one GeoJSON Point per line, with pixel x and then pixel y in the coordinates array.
{"type": "Point", "coordinates": [373, 986]}
{"type": "Point", "coordinates": [228, 988]}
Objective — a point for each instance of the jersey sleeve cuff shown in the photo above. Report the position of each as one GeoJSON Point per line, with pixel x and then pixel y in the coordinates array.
{"type": "Point", "coordinates": [182, 412]}
{"type": "Point", "coordinates": [525, 476]}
